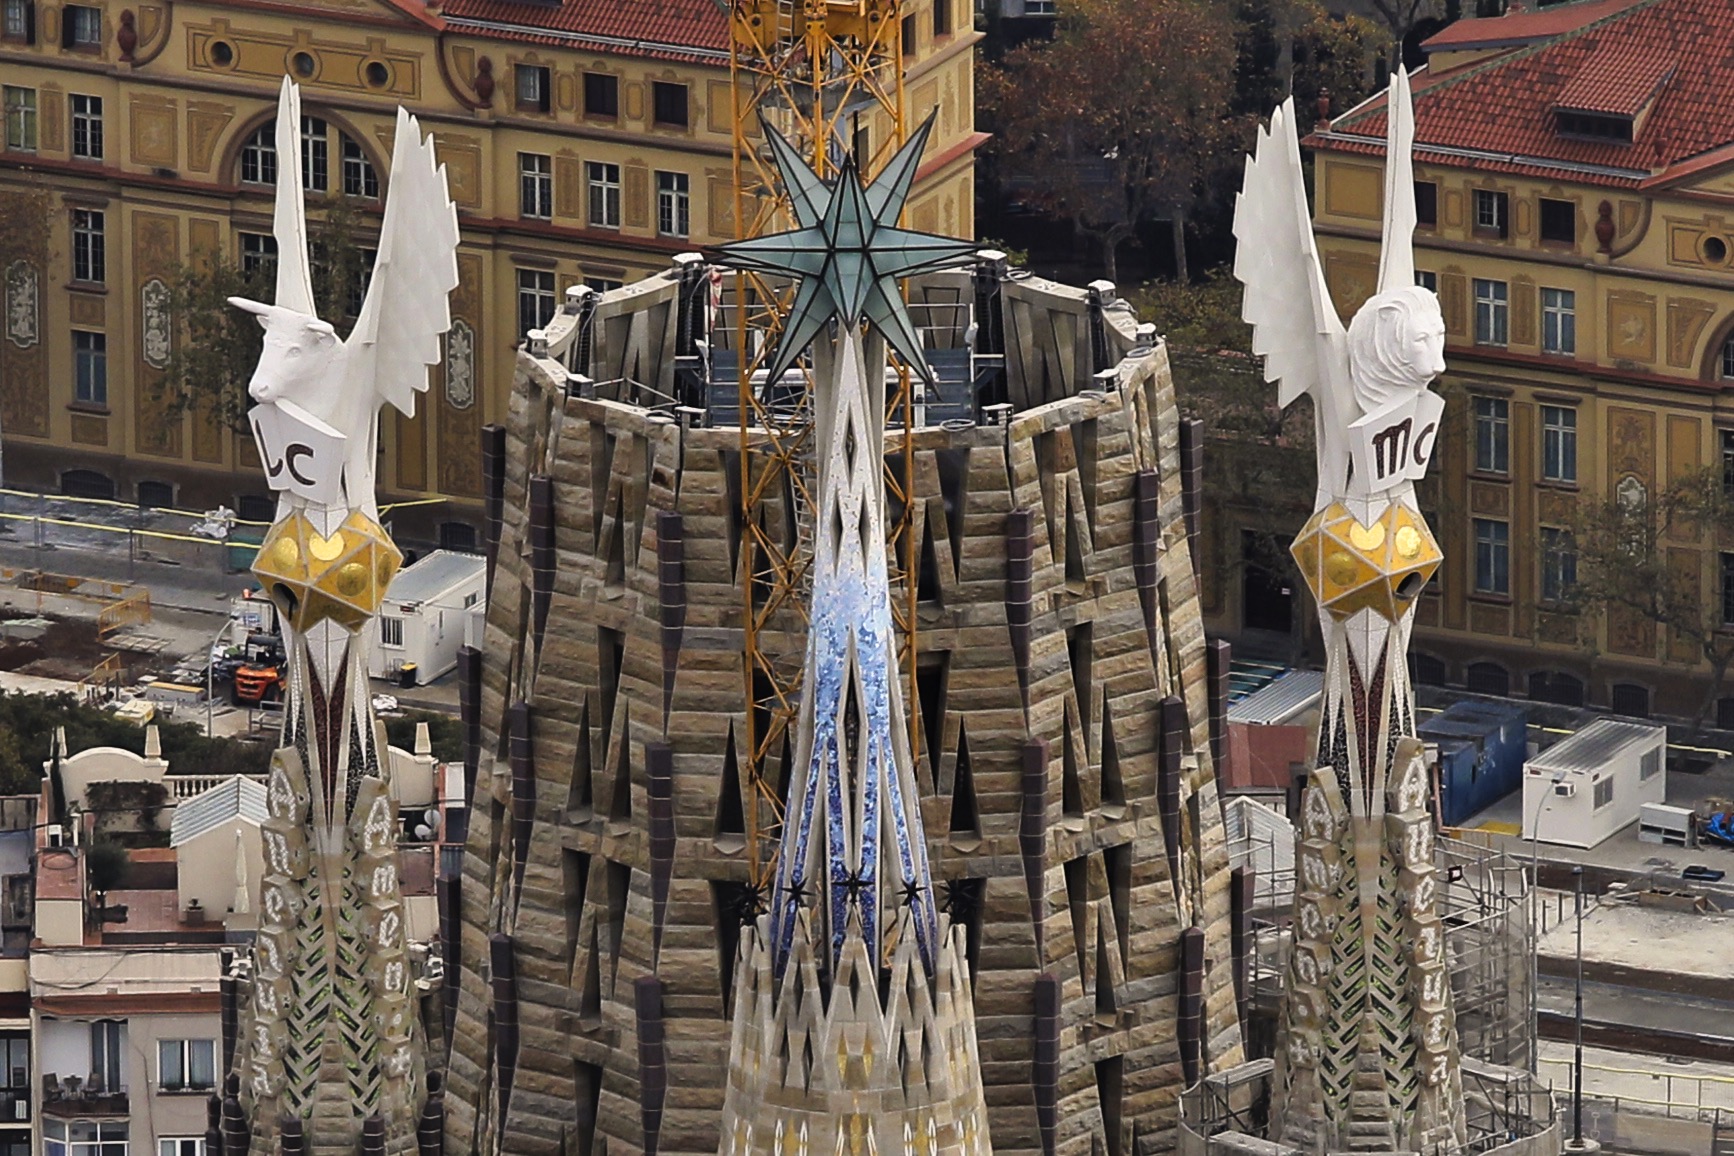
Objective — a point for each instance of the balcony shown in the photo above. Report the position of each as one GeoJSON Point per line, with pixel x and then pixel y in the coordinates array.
{"type": "Point", "coordinates": [77, 1097]}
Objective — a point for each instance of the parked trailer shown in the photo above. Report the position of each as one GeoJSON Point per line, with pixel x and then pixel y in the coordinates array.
{"type": "Point", "coordinates": [423, 618]}
{"type": "Point", "coordinates": [1481, 750]}
{"type": "Point", "coordinates": [1583, 789]}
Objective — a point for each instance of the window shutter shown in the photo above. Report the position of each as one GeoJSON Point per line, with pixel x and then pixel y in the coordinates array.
{"type": "Point", "coordinates": [68, 27]}
{"type": "Point", "coordinates": [30, 23]}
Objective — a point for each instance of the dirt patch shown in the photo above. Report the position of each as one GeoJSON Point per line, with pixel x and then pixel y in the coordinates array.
{"type": "Point", "coordinates": [68, 649]}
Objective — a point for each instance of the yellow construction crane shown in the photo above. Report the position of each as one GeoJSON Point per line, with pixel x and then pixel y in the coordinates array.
{"type": "Point", "coordinates": [828, 75]}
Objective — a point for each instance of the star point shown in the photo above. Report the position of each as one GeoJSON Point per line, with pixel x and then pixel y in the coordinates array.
{"type": "Point", "coordinates": [847, 251]}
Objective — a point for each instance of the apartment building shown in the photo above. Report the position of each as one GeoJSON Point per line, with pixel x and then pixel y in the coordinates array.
{"type": "Point", "coordinates": [1574, 181]}
{"type": "Point", "coordinates": [584, 144]}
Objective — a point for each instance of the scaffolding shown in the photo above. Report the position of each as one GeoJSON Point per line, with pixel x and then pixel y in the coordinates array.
{"type": "Point", "coordinates": [822, 73]}
{"type": "Point", "coordinates": [1485, 905]}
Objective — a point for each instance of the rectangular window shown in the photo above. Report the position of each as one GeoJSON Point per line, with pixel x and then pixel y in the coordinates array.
{"type": "Point", "coordinates": [1559, 443]}
{"type": "Point", "coordinates": [535, 299]}
{"type": "Point", "coordinates": [1040, 8]}
{"type": "Point", "coordinates": [81, 27]}
{"type": "Point", "coordinates": [1492, 556]}
{"type": "Point", "coordinates": [1492, 435]}
{"type": "Point", "coordinates": [1558, 321]}
{"type": "Point", "coordinates": [259, 156]}
{"type": "Point", "coordinates": [1604, 793]}
{"type": "Point", "coordinates": [20, 118]}
{"type": "Point", "coordinates": [18, 22]}
{"type": "Point", "coordinates": [356, 295]}
{"type": "Point", "coordinates": [186, 1065]}
{"type": "Point", "coordinates": [533, 87]}
{"type": "Point", "coordinates": [108, 1053]}
{"type": "Point", "coordinates": [535, 186]}
{"type": "Point", "coordinates": [673, 206]}
{"type": "Point", "coordinates": [911, 38]}
{"type": "Point", "coordinates": [1427, 204]}
{"type": "Point", "coordinates": [83, 1138]}
{"type": "Point", "coordinates": [15, 1061]}
{"type": "Point", "coordinates": [1728, 462]}
{"type": "Point", "coordinates": [604, 189]}
{"type": "Point", "coordinates": [90, 362]}
{"type": "Point", "coordinates": [1490, 213]}
{"type": "Point", "coordinates": [359, 177]}
{"type": "Point", "coordinates": [1558, 221]}
{"type": "Point", "coordinates": [258, 256]}
{"type": "Point", "coordinates": [601, 95]}
{"type": "Point", "coordinates": [86, 127]}
{"type": "Point", "coordinates": [1427, 280]}
{"type": "Point", "coordinates": [315, 155]}
{"type": "Point", "coordinates": [1558, 564]}
{"type": "Point", "coordinates": [941, 18]}
{"type": "Point", "coordinates": [390, 630]}
{"type": "Point", "coordinates": [1728, 590]}
{"type": "Point", "coordinates": [181, 1146]}
{"type": "Point", "coordinates": [89, 260]}
{"type": "Point", "coordinates": [603, 284]}
{"type": "Point", "coordinates": [668, 103]}
{"type": "Point", "coordinates": [1491, 312]}
{"type": "Point", "coordinates": [1650, 765]}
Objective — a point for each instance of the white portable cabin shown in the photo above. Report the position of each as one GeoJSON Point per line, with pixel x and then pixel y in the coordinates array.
{"type": "Point", "coordinates": [1581, 790]}
{"type": "Point", "coordinates": [423, 616]}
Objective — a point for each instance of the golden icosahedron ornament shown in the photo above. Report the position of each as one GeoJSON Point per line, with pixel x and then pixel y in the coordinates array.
{"type": "Point", "coordinates": [1380, 567]}
{"type": "Point", "coordinates": [313, 577]}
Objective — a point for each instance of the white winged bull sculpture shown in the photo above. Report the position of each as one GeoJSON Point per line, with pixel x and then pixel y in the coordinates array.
{"type": "Point", "coordinates": [331, 1044]}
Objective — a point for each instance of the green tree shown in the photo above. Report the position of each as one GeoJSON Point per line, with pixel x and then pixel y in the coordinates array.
{"type": "Point", "coordinates": [444, 732]}
{"type": "Point", "coordinates": [1638, 564]}
{"type": "Point", "coordinates": [105, 867]}
{"type": "Point", "coordinates": [218, 346]}
{"type": "Point", "coordinates": [1118, 119]}
{"type": "Point", "coordinates": [28, 723]}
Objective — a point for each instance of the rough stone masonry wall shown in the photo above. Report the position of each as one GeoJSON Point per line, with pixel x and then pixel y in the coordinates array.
{"type": "Point", "coordinates": [595, 988]}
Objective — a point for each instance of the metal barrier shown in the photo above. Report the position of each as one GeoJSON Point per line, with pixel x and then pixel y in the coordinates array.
{"type": "Point", "coordinates": [101, 677]}
{"type": "Point", "coordinates": [133, 610]}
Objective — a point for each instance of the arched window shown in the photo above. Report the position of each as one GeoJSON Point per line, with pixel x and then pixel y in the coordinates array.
{"type": "Point", "coordinates": [1556, 686]}
{"type": "Point", "coordinates": [1728, 358]}
{"type": "Point", "coordinates": [1630, 699]}
{"type": "Point", "coordinates": [1426, 669]}
{"type": "Point", "coordinates": [1488, 678]}
{"type": "Point", "coordinates": [357, 174]}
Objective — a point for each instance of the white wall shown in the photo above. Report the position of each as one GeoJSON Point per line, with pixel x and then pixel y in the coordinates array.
{"type": "Point", "coordinates": [63, 1048]}
{"type": "Point", "coordinates": [205, 867]}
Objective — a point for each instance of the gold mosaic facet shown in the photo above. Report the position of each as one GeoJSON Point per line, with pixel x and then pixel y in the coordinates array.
{"type": "Point", "coordinates": [1381, 567]}
{"type": "Point", "coordinates": [341, 577]}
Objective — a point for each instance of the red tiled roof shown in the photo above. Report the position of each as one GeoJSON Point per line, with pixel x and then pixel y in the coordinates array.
{"type": "Point", "coordinates": [1521, 27]}
{"type": "Point", "coordinates": [1498, 114]}
{"type": "Point", "coordinates": [694, 31]}
{"type": "Point", "coordinates": [1619, 78]}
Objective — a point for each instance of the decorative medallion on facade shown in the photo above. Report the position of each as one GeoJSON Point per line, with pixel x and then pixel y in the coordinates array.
{"type": "Point", "coordinates": [157, 336]}
{"type": "Point", "coordinates": [22, 319]}
{"type": "Point", "coordinates": [461, 365]}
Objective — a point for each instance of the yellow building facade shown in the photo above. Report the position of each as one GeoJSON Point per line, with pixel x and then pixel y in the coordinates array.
{"type": "Point", "coordinates": [1578, 227]}
{"type": "Point", "coordinates": [581, 148]}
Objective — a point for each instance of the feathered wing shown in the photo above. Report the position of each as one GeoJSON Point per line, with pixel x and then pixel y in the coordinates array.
{"type": "Point", "coordinates": [289, 220]}
{"type": "Point", "coordinates": [406, 310]}
{"type": "Point", "coordinates": [1397, 254]}
{"type": "Point", "coordinates": [1295, 326]}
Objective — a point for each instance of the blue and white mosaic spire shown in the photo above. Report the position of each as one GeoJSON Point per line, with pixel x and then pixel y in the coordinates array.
{"type": "Point", "coordinates": [852, 842]}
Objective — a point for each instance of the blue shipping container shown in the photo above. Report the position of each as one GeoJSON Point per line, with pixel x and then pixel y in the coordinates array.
{"type": "Point", "coordinates": [1482, 748]}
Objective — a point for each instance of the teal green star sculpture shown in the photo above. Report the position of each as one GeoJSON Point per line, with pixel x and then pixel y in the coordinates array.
{"type": "Point", "coordinates": [847, 251]}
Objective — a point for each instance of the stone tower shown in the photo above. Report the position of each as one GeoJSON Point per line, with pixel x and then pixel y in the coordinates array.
{"type": "Point", "coordinates": [1065, 708]}
{"type": "Point", "coordinates": [331, 1049]}
{"type": "Point", "coordinates": [1367, 1056]}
